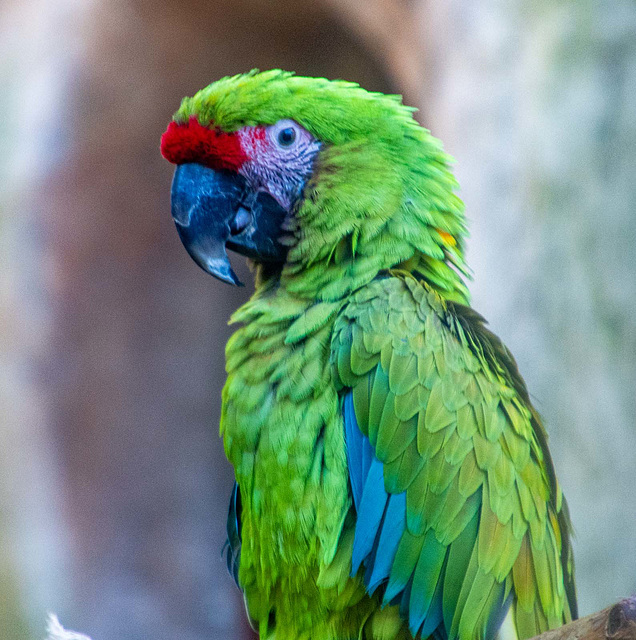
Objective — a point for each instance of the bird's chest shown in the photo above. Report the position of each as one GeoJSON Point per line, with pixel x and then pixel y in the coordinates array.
{"type": "Point", "coordinates": [283, 433]}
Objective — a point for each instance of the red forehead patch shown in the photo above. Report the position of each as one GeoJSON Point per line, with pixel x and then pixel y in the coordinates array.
{"type": "Point", "coordinates": [192, 142]}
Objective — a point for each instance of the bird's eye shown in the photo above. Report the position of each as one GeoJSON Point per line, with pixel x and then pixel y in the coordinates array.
{"type": "Point", "coordinates": [287, 134]}
{"type": "Point", "coordinates": [286, 137]}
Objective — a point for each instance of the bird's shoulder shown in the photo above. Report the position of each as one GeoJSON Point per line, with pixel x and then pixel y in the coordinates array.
{"type": "Point", "coordinates": [439, 359]}
{"type": "Point", "coordinates": [403, 317]}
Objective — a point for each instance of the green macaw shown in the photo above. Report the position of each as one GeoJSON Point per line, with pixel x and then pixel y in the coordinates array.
{"type": "Point", "coordinates": [393, 479]}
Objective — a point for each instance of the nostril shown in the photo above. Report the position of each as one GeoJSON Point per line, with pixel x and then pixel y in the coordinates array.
{"type": "Point", "coordinates": [240, 221]}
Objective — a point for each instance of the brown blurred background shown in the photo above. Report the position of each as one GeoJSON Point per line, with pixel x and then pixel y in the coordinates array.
{"type": "Point", "coordinates": [113, 485]}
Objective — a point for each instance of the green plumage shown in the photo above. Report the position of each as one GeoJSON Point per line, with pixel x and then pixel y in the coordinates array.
{"type": "Point", "coordinates": [371, 301]}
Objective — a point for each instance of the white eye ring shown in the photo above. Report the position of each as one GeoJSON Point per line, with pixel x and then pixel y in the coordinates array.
{"type": "Point", "coordinates": [285, 134]}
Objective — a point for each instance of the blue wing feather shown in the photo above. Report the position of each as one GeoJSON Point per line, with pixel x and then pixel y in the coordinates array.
{"type": "Point", "coordinates": [389, 538]}
{"type": "Point", "coordinates": [380, 525]}
{"type": "Point", "coordinates": [381, 518]}
{"type": "Point", "coordinates": [355, 450]}
{"type": "Point", "coordinates": [370, 514]}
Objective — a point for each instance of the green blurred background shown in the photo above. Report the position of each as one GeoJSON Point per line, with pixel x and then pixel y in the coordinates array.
{"type": "Point", "coordinates": [113, 485]}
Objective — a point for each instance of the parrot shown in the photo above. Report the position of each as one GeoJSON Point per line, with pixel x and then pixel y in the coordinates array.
{"type": "Point", "coordinates": [392, 477]}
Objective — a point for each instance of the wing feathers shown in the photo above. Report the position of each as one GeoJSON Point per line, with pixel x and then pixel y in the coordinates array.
{"type": "Point", "coordinates": [389, 539]}
{"type": "Point", "coordinates": [456, 509]}
{"type": "Point", "coordinates": [370, 513]}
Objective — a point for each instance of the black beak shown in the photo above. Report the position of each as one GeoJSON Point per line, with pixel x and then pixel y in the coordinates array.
{"type": "Point", "coordinates": [216, 209]}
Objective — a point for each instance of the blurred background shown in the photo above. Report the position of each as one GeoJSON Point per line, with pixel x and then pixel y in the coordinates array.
{"type": "Point", "coordinates": [113, 485]}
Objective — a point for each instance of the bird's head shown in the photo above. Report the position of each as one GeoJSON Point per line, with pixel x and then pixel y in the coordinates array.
{"type": "Point", "coordinates": [321, 183]}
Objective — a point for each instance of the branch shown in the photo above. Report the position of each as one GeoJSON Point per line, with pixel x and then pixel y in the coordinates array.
{"type": "Point", "coordinates": [617, 622]}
